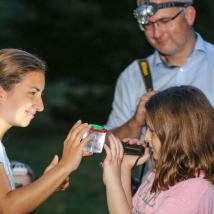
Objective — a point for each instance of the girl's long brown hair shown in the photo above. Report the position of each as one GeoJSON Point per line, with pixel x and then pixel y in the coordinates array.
{"type": "Point", "coordinates": [183, 120]}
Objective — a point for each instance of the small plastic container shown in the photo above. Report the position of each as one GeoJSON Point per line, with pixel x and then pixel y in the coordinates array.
{"type": "Point", "coordinates": [98, 133]}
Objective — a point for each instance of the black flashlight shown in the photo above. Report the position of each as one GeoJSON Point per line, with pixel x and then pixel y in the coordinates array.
{"type": "Point", "coordinates": [133, 149]}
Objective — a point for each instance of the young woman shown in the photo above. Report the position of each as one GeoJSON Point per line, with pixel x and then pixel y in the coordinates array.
{"type": "Point", "coordinates": [22, 81]}
{"type": "Point", "coordinates": [180, 123]}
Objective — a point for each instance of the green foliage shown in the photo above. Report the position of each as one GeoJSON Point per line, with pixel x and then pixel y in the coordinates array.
{"type": "Point", "coordinates": [203, 22]}
{"type": "Point", "coordinates": [88, 40]}
{"type": "Point", "coordinates": [86, 102]}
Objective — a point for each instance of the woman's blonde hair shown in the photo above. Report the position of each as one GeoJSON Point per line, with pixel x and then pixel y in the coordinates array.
{"type": "Point", "coordinates": [15, 63]}
{"type": "Point", "coordinates": [183, 120]}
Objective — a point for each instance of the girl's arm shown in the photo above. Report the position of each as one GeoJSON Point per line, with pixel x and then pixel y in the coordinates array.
{"type": "Point", "coordinates": [127, 165]}
{"type": "Point", "coordinates": [26, 199]}
{"type": "Point", "coordinates": [116, 197]}
{"type": "Point", "coordinates": [126, 182]}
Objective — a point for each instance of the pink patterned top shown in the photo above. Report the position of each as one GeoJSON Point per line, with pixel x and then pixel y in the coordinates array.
{"type": "Point", "coordinates": [193, 196]}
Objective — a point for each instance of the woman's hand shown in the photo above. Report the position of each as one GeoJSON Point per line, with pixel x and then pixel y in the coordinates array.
{"type": "Point", "coordinates": [112, 162]}
{"type": "Point", "coordinates": [73, 146]}
{"type": "Point", "coordinates": [72, 151]}
{"type": "Point", "coordinates": [65, 184]}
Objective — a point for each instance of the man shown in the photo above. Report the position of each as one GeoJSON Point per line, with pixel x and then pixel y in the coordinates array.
{"type": "Point", "coordinates": [181, 57]}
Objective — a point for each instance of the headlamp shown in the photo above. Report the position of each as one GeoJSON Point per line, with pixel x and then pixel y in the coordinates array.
{"type": "Point", "coordinates": [144, 11]}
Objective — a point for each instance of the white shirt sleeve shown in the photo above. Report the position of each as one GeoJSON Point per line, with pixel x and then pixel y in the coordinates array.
{"type": "Point", "coordinates": [1, 153]}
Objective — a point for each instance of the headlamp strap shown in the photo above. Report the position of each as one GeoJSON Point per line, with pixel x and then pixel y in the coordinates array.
{"type": "Point", "coordinates": [146, 74]}
{"type": "Point", "coordinates": [172, 4]}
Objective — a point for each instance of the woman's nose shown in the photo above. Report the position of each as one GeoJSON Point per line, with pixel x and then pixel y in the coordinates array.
{"type": "Point", "coordinates": [39, 105]}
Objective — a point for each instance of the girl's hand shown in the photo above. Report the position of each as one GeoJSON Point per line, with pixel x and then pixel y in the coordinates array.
{"type": "Point", "coordinates": [73, 146]}
{"type": "Point", "coordinates": [112, 162]}
{"type": "Point", "coordinates": [130, 160]}
{"type": "Point", "coordinates": [133, 141]}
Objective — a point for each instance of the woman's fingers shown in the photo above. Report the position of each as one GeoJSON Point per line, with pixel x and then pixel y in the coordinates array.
{"type": "Point", "coordinates": [65, 186]}
{"type": "Point", "coordinates": [81, 131]}
{"type": "Point", "coordinates": [72, 128]}
{"type": "Point", "coordinates": [77, 133]}
{"type": "Point", "coordinates": [53, 163]}
{"type": "Point", "coordinates": [86, 139]}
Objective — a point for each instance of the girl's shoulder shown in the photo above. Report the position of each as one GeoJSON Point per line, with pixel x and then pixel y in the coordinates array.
{"type": "Point", "coordinates": [196, 188]}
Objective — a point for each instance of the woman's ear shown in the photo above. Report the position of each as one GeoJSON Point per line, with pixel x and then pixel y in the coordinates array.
{"type": "Point", "coordinates": [190, 15]}
{"type": "Point", "coordinates": [3, 95]}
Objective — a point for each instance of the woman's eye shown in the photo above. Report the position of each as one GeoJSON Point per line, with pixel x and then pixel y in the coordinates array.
{"type": "Point", "coordinates": [32, 93]}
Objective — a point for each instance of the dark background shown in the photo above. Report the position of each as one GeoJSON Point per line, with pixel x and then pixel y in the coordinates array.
{"type": "Point", "coordinates": [86, 44]}
{"type": "Point", "coordinates": [86, 40]}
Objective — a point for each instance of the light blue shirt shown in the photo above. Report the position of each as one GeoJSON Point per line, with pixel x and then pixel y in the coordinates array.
{"type": "Point", "coordinates": [198, 72]}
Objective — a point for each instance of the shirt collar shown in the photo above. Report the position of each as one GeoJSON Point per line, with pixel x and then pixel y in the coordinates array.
{"type": "Point", "coordinates": [200, 44]}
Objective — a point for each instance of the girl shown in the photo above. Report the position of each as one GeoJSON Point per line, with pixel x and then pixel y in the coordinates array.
{"type": "Point", "coordinates": [22, 81]}
{"type": "Point", "coordinates": [179, 123]}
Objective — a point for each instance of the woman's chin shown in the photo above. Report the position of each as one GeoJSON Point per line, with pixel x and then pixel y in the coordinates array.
{"type": "Point", "coordinates": [23, 123]}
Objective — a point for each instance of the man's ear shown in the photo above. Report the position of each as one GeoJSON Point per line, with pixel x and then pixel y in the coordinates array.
{"type": "Point", "coordinates": [3, 94]}
{"type": "Point", "coordinates": [190, 15]}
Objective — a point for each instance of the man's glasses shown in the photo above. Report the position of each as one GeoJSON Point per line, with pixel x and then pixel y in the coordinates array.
{"type": "Point", "coordinates": [161, 22]}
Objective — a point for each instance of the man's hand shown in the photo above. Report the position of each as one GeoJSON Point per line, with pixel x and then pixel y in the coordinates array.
{"type": "Point", "coordinates": [133, 127]}
{"type": "Point", "coordinates": [139, 116]}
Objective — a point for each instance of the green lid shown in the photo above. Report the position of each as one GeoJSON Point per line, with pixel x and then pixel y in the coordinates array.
{"type": "Point", "coordinates": [97, 127]}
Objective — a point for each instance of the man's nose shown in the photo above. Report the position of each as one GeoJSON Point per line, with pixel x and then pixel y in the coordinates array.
{"type": "Point", "coordinates": [157, 31]}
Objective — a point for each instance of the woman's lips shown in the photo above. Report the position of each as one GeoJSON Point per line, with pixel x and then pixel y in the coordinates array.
{"type": "Point", "coordinates": [31, 114]}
